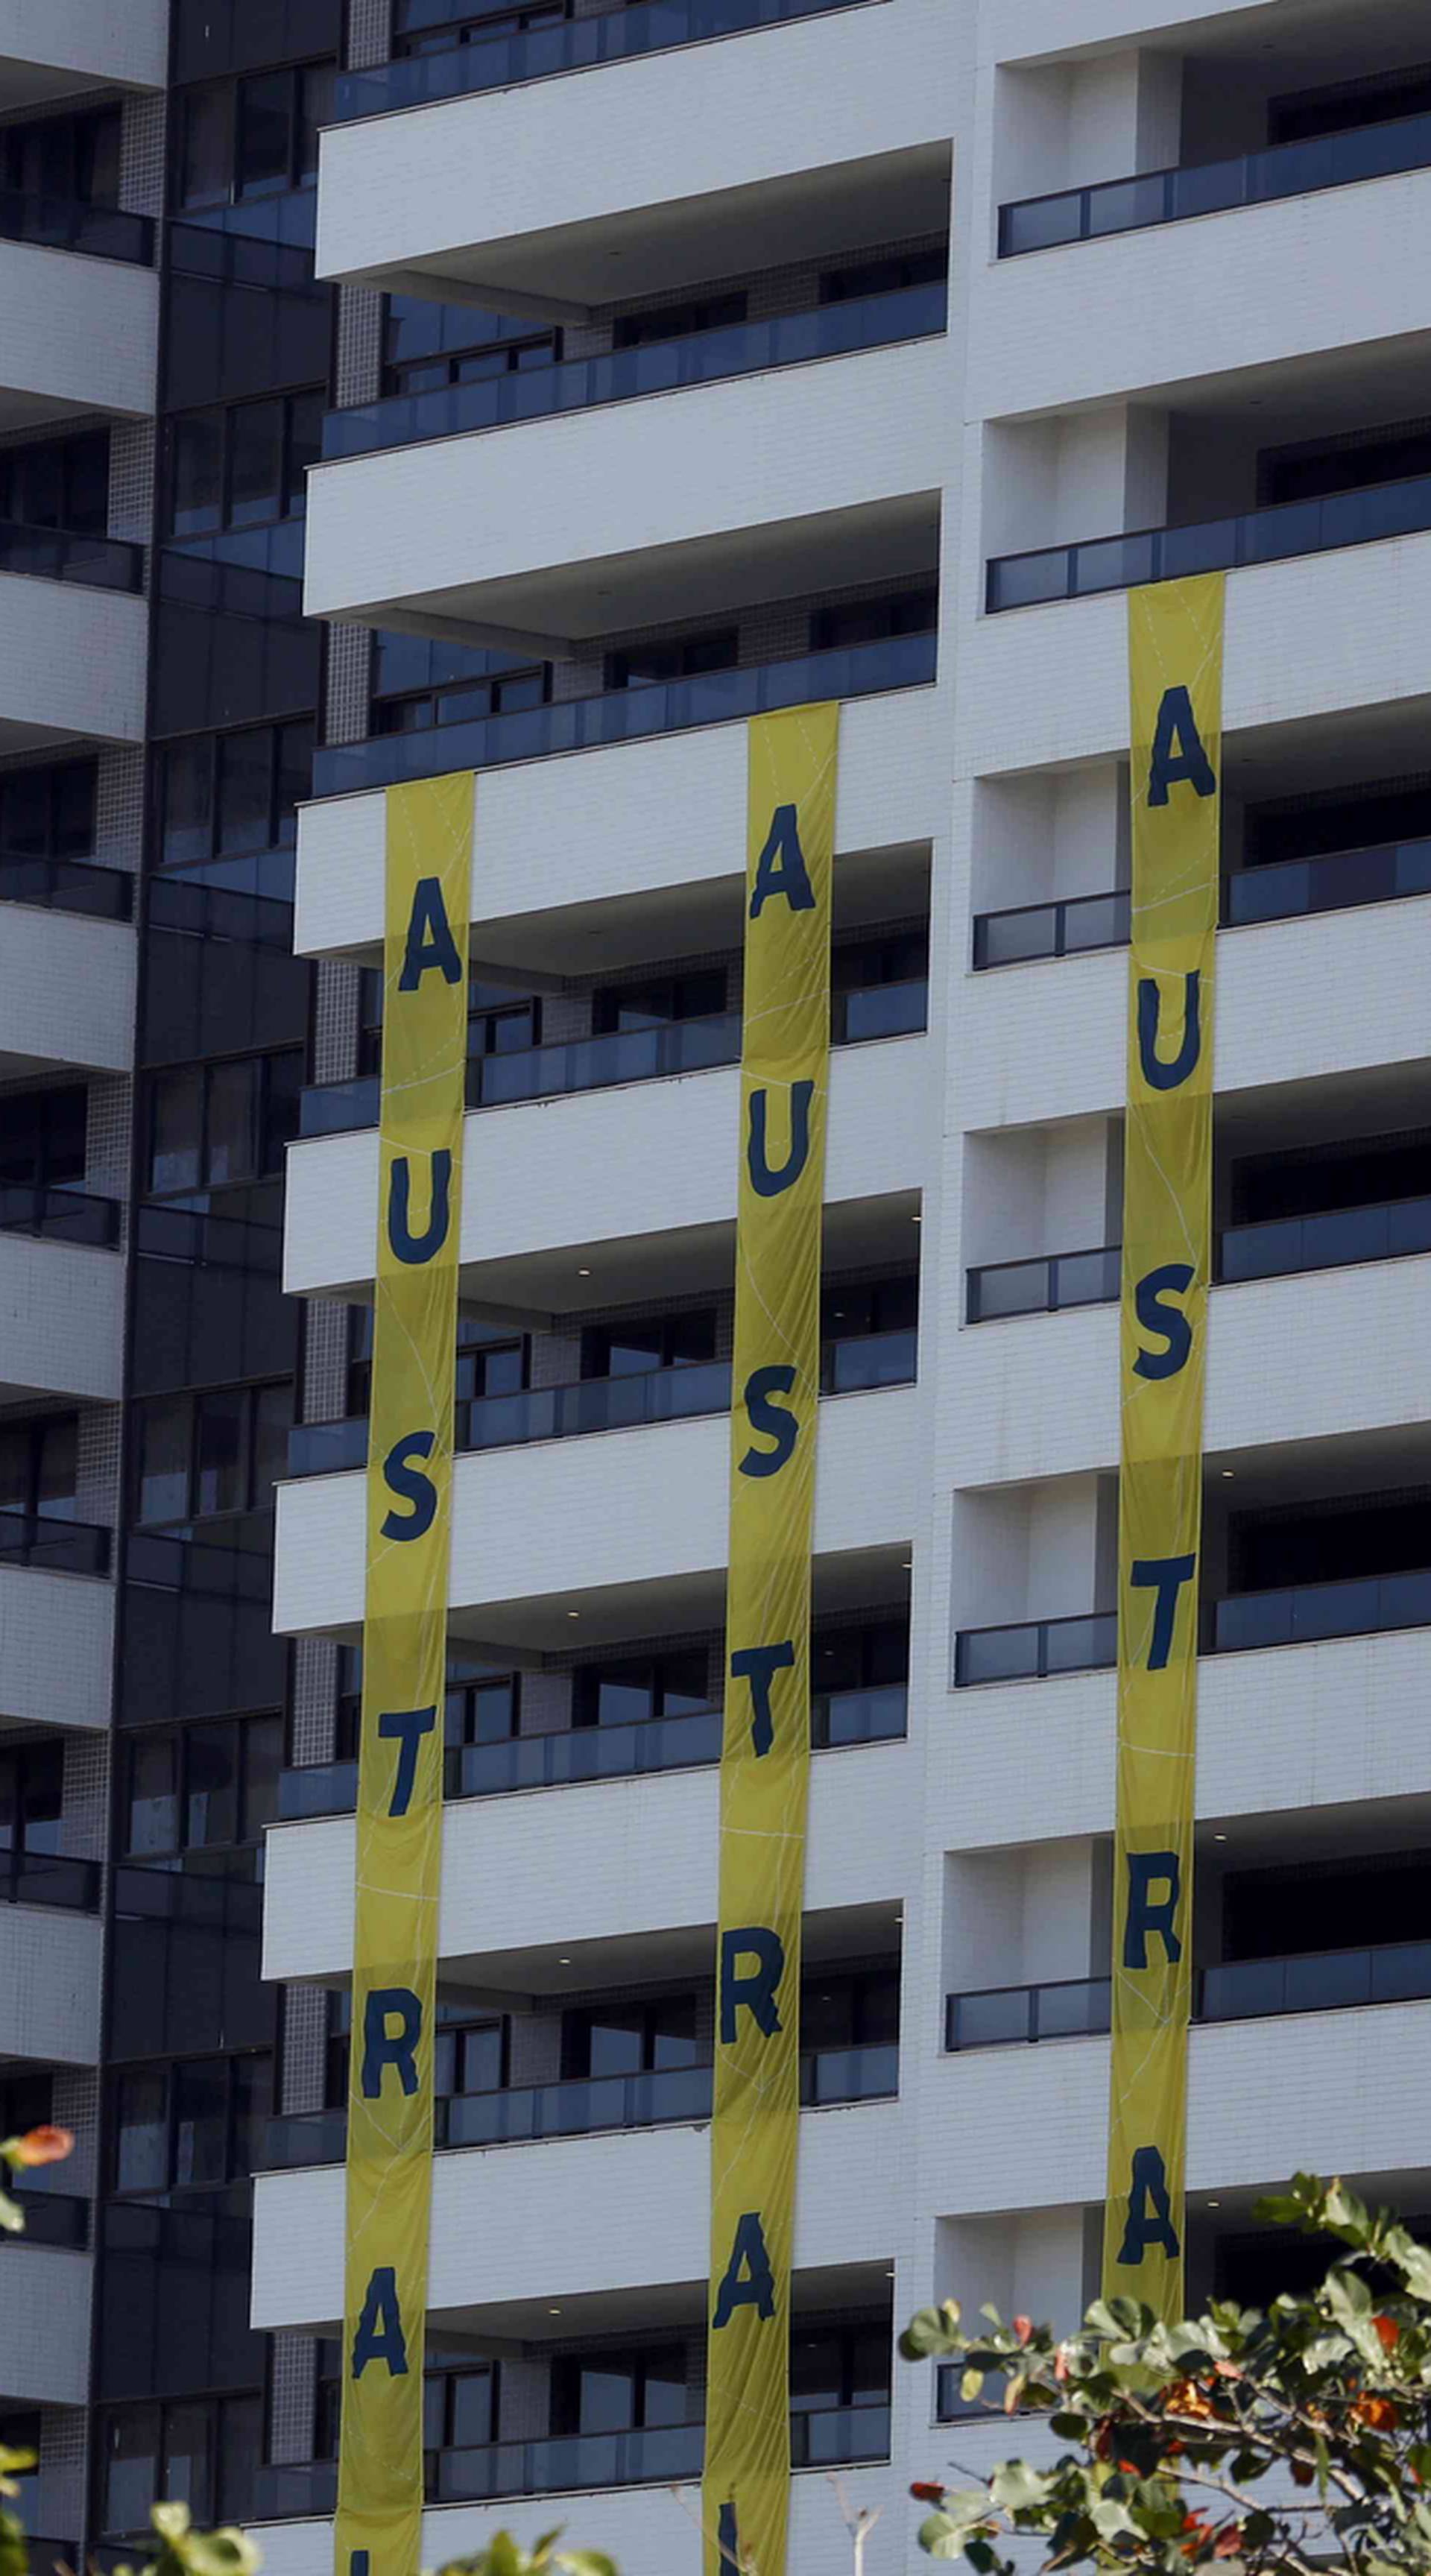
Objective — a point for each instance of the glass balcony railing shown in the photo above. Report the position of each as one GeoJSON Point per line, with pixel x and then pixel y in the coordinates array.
{"type": "Point", "coordinates": [48, 1878]}
{"type": "Point", "coordinates": [656, 367]}
{"type": "Point", "coordinates": [619, 1056]}
{"type": "Point", "coordinates": [1237, 1990]}
{"type": "Point", "coordinates": [625, 715]}
{"type": "Point", "coordinates": [874, 1716]}
{"type": "Point", "coordinates": [1285, 890]}
{"type": "Point", "coordinates": [643, 27]}
{"type": "Point", "coordinates": [52, 2217]}
{"type": "Point", "coordinates": [856, 1366]}
{"type": "Point", "coordinates": [585, 2107]}
{"type": "Point", "coordinates": [53, 554]}
{"type": "Point", "coordinates": [651, 2455]}
{"type": "Point", "coordinates": [1299, 1614]}
{"type": "Point", "coordinates": [1356, 518]}
{"type": "Point", "coordinates": [66, 885]}
{"type": "Point", "coordinates": [59, 1215]}
{"type": "Point", "coordinates": [1279, 1248]}
{"type": "Point", "coordinates": [68, 223]}
{"type": "Point", "coordinates": [1044, 1286]}
{"type": "Point", "coordinates": [44, 1540]}
{"type": "Point", "coordinates": [1214, 187]}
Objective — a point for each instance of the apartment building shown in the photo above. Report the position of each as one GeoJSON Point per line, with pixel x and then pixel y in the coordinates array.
{"type": "Point", "coordinates": [607, 377]}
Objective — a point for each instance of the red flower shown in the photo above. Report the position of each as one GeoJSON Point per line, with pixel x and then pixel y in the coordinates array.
{"type": "Point", "coordinates": [925, 2491]}
{"type": "Point", "coordinates": [43, 2146]}
{"type": "Point", "coordinates": [1023, 2328]}
{"type": "Point", "coordinates": [1389, 2331]}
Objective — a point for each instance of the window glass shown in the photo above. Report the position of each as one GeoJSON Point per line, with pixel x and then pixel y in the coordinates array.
{"type": "Point", "coordinates": [188, 802]}
{"type": "Point", "coordinates": [664, 2388]}
{"type": "Point", "coordinates": [41, 1795]}
{"type": "Point", "coordinates": [27, 812]}
{"type": "Point", "coordinates": [198, 472]}
{"type": "Point", "coordinates": [622, 1699]}
{"type": "Point", "coordinates": [606, 2397]}
{"type": "Point", "coordinates": [228, 1154]}
{"type": "Point", "coordinates": [305, 446]}
{"type": "Point", "coordinates": [14, 1467]}
{"type": "Point", "coordinates": [256, 482]}
{"type": "Point", "coordinates": [56, 1444]}
{"type": "Point", "coordinates": [152, 1795]}
{"type": "Point", "coordinates": [315, 109]}
{"type": "Point", "coordinates": [186, 2461]}
{"type": "Point", "coordinates": [273, 1420]}
{"type": "Point", "coordinates": [263, 1757]}
{"type": "Point", "coordinates": [294, 752]}
{"type": "Point", "coordinates": [205, 127]}
{"type": "Point", "coordinates": [817, 2372]}
{"type": "Point", "coordinates": [131, 2468]}
{"type": "Point", "coordinates": [245, 790]}
{"type": "Point", "coordinates": [141, 2145]}
{"type": "Point", "coordinates": [612, 2039]}
{"type": "Point", "coordinates": [671, 2034]}
{"type": "Point", "coordinates": [240, 2450]}
{"type": "Point", "coordinates": [221, 1463]}
{"type": "Point", "coordinates": [164, 1425]}
{"type": "Point", "coordinates": [282, 1094]}
{"type": "Point", "coordinates": [201, 2118]}
{"type": "Point", "coordinates": [72, 784]}
{"type": "Point", "coordinates": [264, 155]}
{"type": "Point", "coordinates": [211, 1787]}
{"type": "Point", "coordinates": [177, 1130]}
{"type": "Point", "coordinates": [471, 2414]}
{"type": "Point", "coordinates": [252, 2103]}
{"type": "Point", "coordinates": [681, 1683]}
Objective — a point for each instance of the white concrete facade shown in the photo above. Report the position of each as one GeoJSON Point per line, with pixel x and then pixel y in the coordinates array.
{"type": "Point", "coordinates": [1088, 390]}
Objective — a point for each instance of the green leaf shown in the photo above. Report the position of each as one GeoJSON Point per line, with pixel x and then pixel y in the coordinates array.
{"type": "Point", "coordinates": [930, 2332]}
{"type": "Point", "coordinates": [941, 2538]}
{"type": "Point", "coordinates": [586, 2562]}
{"type": "Point", "coordinates": [1017, 2487]}
{"type": "Point", "coordinates": [971, 2385]}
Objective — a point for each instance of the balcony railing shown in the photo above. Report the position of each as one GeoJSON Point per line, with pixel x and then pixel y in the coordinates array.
{"type": "Point", "coordinates": [1238, 1990]}
{"type": "Point", "coordinates": [48, 1878]}
{"type": "Point", "coordinates": [618, 1752]}
{"type": "Point", "coordinates": [645, 27]}
{"type": "Point", "coordinates": [1285, 890]}
{"type": "Point", "coordinates": [626, 715]}
{"type": "Point", "coordinates": [587, 2106]}
{"type": "Point", "coordinates": [1214, 187]}
{"type": "Point", "coordinates": [1279, 1248]}
{"type": "Point", "coordinates": [1356, 518]}
{"type": "Point", "coordinates": [655, 367]}
{"type": "Point", "coordinates": [857, 1366]}
{"type": "Point", "coordinates": [52, 2217]}
{"type": "Point", "coordinates": [54, 554]}
{"type": "Point", "coordinates": [59, 1215]}
{"type": "Point", "coordinates": [66, 885]}
{"type": "Point", "coordinates": [651, 2455]}
{"type": "Point", "coordinates": [43, 1540]}
{"type": "Point", "coordinates": [68, 223]}
{"type": "Point", "coordinates": [1298, 1614]}
{"type": "Point", "coordinates": [621, 1055]}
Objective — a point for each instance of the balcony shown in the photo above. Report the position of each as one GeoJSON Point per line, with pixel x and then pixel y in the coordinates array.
{"type": "Point", "coordinates": [1239, 1990]}
{"type": "Point", "coordinates": [56, 1635]}
{"type": "Point", "coordinates": [620, 35]}
{"type": "Point", "coordinates": [66, 885]}
{"type": "Point", "coordinates": [49, 1959]}
{"type": "Point", "coordinates": [46, 2292]}
{"type": "Point", "coordinates": [627, 715]}
{"type": "Point", "coordinates": [50, 49]}
{"type": "Point", "coordinates": [598, 1753]}
{"type": "Point", "coordinates": [62, 1296]}
{"type": "Point", "coordinates": [66, 990]}
{"type": "Point", "coordinates": [587, 2108]}
{"type": "Point", "coordinates": [81, 307]}
{"type": "Point", "coordinates": [1214, 187]}
{"type": "Point", "coordinates": [626, 375]}
{"type": "Point", "coordinates": [1279, 1248]}
{"type": "Point", "coordinates": [1339, 519]}
{"type": "Point", "coordinates": [48, 1543]}
{"type": "Point", "coordinates": [621, 1056]}
{"type": "Point", "coordinates": [1285, 890]}
{"type": "Point", "coordinates": [73, 636]}
{"type": "Point", "coordinates": [583, 2221]}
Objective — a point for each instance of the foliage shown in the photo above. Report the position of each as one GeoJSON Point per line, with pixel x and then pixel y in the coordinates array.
{"type": "Point", "coordinates": [503, 2557]}
{"type": "Point", "coordinates": [1254, 2443]}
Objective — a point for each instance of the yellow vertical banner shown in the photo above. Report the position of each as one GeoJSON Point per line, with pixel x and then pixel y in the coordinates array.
{"type": "Point", "coordinates": [765, 1760]}
{"type": "Point", "coordinates": [399, 1823]}
{"type": "Point", "coordinates": [1175, 670]}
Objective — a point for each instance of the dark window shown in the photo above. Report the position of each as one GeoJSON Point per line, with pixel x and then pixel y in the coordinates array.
{"type": "Point", "coordinates": [1365, 817]}
{"type": "Point", "coordinates": [31, 1797]}
{"type": "Point", "coordinates": [253, 137]}
{"type": "Point", "coordinates": [489, 1361]}
{"type": "Point", "coordinates": [694, 996]}
{"type": "Point", "coordinates": [42, 1137]}
{"type": "Point", "coordinates": [453, 344]}
{"type": "Point", "coordinates": [202, 2452]}
{"type": "Point", "coordinates": [639, 666]}
{"type": "Point", "coordinates": [618, 2392]}
{"type": "Point", "coordinates": [49, 813]}
{"type": "Point", "coordinates": [850, 2008]}
{"type": "Point", "coordinates": [1319, 1905]}
{"type": "Point", "coordinates": [469, 2052]}
{"type": "Point", "coordinates": [866, 1658]}
{"type": "Point", "coordinates": [214, 1124]}
{"type": "Point", "coordinates": [848, 1311]}
{"type": "Point", "coordinates": [1328, 1542]}
{"type": "Point", "coordinates": [199, 1787]}
{"type": "Point", "coordinates": [38, 1466]}
{"type": "Point", "coordinates": [893, 957]}
{"type": "Point", "coordinates": [58, 483]}
{"type": "Point", "coordinates": [209, 1454]}
{"type": "Point", "coordinates": [869, 621]}
{"type": "Point", "coordinates": [236, 466]}
{"type": "Point", "coordinates": [675, 321]}
{"type": "Point", "coordinates": [884, 276]}
{"type": "Point", "coordinates": [459, 2410]}
{"type": "Point", "coordinates": [223, 794]}
{"type": "Point", "coordinates": [191, 2125]}
{"type": "Point", "coordinates": [417, 683]}
{"type": "Point", "coordinates": [436, 26]}
{"type": "Point", "coordinates": [481, 1706]}
{"type": "Point", "coordinates": [1315, 467]}
{"type": "Point", "coordinates": [838, 2366]}
{"type": "Point", "coordinates": [499, 1022]}
{"type": "Point", "coordinates": [654, 1342]}
{"type": "Point", "coordinates": [64, 156]}
{"type": "Point", "coordinates": [633, 1689]}
{"type": "Point", "coordinates": [1349, 104]}
{"type": "Point", "coordinates": [629, 2039]}
{"type": "Point", "coordinates": [26, 2102]}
